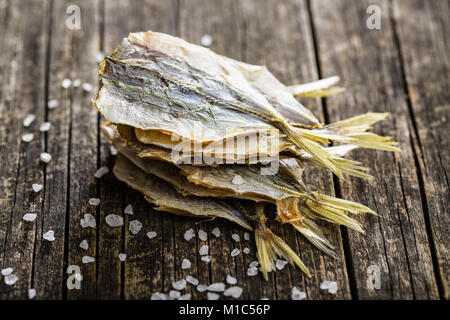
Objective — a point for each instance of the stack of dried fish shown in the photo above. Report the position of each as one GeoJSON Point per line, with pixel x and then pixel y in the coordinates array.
{"type": "Point", "coordinates": [204, 135]}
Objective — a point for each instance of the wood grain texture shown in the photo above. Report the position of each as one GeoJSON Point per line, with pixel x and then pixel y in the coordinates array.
{"type": "Point", "coordinates": [368, 62]}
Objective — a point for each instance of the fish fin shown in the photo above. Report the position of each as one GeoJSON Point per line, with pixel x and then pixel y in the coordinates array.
{"type": "Point", "coordinates": [269, 246]}
{"type": "Point", "coordinates": [316, 89]}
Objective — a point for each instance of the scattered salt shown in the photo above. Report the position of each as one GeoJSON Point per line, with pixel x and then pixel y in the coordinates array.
{"type": "Point", "coordinates": [185, 264]}
{"type": "Point", "coordinates": [216, 232]}
{"type": "Point", "coordinates": [235, 237]}
{"type": "Point", "coordinates": [192, 280]}
{"type": "Point", "coordinates": [87, 87]}
{"type": "Point", "coordinates": [83, 223]}
{"type": "Point", "coordinates": [235, 292]}
{"type": "Point", "coordinates": [212, 296]}
{"type": "Point", "coordinates": [135, 226]}
{"type": "Point", "coordinates": [101, 172]}
{"type": "Point", "coordinates": [7, 271]}
{"type": "Point", "coordinates": [280, 264]}
{"type": "Point", "coordinates": [246, 250]}
{"type": "Point", "coordinates": [189, 234]}
{"type": "Point", "coordinates": [253, 264]}
{"type": "Point", "coordinates": [29, 120]}
{"type": "Point", "coordinates": [31, 293]}
{"type": "Point", "coordinates": [206, 259]}
{"type": "Point", "coordinates": [231, 279]}
{"type": "Point", "coordinates": [45, 157]}
{"type": "Point", "coordinates": [99, 57]}
{"type": "Point", "coordinates": [84, 244]}
{"type": "Point", "coordinates": [333, 288]}
{"type": "Point", "coordinates": [156, 296]}
{"type": "Point", "coordinates": [325, 285]}
{"type": "Point", "coordinates": [206, 40]}
{"type": "Point", "coordinates": [237, 180]}
{"type": "Point", "coordinates": [174, 294]}
{"type": "Point", "coordinates": [113, 151]}
{"type": "Point", "coordinates": [297, 294]}
{"type": "Point", "coordinates": [94, 201]}
{"type": "Point", "coordinates": [217, 287]}
{"type": "Point", "coordinates": [246, 236]}
{"type": "Point", "coordinates": [202, 235]}
{"type": "Point", "coordinates": [90, 220]}
{"type": "Point", "coordinates": [128, 209]}
{"type": "Point", "coordinates": [151, 234]}
{"type": "Point", "coordinates": [235, 252]}
{"type": "Point", "coordinates": [179, 285]}
{"type": "Point", "coordinates": [45, 126]}
{"type": "Point", "coordinates": [87, 259]}
{"type": "Point", "coordinates": [186, 296]}
{"type": "Point", "coordinates": [113, 220]}
{"type": "Point", "coordinates": [76, 83]}
{"type": "Point", "coordinates": [204, 249]}
{"type": "Point", "coordinates": [66, 83]}
{"type": "Point", "coordinates": [49, 235]}
{"type": "Point", "coordinates": [29, 216]}
{"type": "Point", "coordinates": [11, 279]}
{"type": "Point", "coordinates": [122, 257]}
{"type": "Point", "coordinates": [37, 187]}
{"type": "Point", "coordinates": [252, 271]}
{"type": "Point", "coordinates": [27, 137]}
{"type": "Point", "coordinates": [202, 288]}
{"type": "Point", "coordinates": [52, 104]}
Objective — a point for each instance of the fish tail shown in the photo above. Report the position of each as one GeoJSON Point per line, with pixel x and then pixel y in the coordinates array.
{"type": "Point", "coordinates": [270, 246]}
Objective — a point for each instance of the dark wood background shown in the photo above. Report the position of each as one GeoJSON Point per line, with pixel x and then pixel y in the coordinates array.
{"type": "Point", "coordinates": [402, 69]}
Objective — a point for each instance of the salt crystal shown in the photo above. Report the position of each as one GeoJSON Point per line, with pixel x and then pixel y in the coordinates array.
{"type": "Point", "coordinates": [113, 220]}
{"type": "Point", "coordinates": [87, 259]}
{"type": "Point", "coordinates": [280, 264]}
{"type": "Point", "coordinates": [202, 288]}
{"type": "Point", "coordinates": [99, 57]}
{"type": "Point", "coordinates": [252, 271]}
{"type": "Point", "coordinates": [122, 257]}
{"type": "Point", "coordinates": [113, 151]}
{"type": "Point", "coordinates": [237, 180]}
{"type": "Point", "coordinates": [235, 252]}
{"type": "Point", "coordinates": [155, 296]}
{"type": "Point", "coordinates": [246, 250]}
{"type": "Point", "coordinates": [186, 296]}
{"type": "Point", "coordinates": [192, 280]}
{"type": "Point", "coordinates": [84, 244]}
{"type": "Point", "coordinates": [128, 209]}
{"type": "Point", "coordinates": [253, 264]}
{"type": "Point", "coordinates": [202, 235]}
{"type": "Point", "coordinates": [87, 87]}
{"type": "Point", "coordinates": [217, 287]}
{"type": "Point", "coordinates": [246, 236]}
{"type": "Point", "coordinates": [52, 104]}
{"type": "Point", "coordinates": [235, 292]}
{"type": "Point", "coordinates": [212, 296]}
{"type": "Point", "coordinates": [216, 232]}
{"type": "Point", "coordinates": [45, 157]}
{"type": "Point", "coordinates": [66, 83]}
{"type": "Point", "coordinates": [76, 83]}
{"type": "Point", "coordinates": [135, 226]}
{"type": "Point", "coordinates": [11, 279]}
{"type": "Point", "coordinates": [189, 234]}
{"type": "Point", "coordinates": [94, 201]}
{"type": "Point", "coordinates": [49, 235]}
{"type": "Point", "coordinates": [206, 40]}
{"type": "Point", "coordinates": [37, 187]}
{"type": "Point", "coordinates": [185, 264]}
{"type": "Point", "coordinates": [325, 285]}
{"type": "Point", "coordinates": [83, 223]}
{"type": "Point", "coordinates": [231, 280]}
{"type": "Point", "coordinates": [235, 237]}
{"type": "Point", "coordinates": [151, 234]}
{"type": "Point", "coordinates": [29, 216]}
{"type": "Point", "coordinates": [101, 172]}
{"type": "Point", "coordinates": [179, 285]}
{"type": "Point", "coordinates": [45, 126]}
{"type": "Point", "coordinates": [297, 294]}
{"type": "Point", "coordinates": [90, 220]}
{"type": "Point", "coordinates": [7, 271]}
{"type": "Point", "coordinates": [333, 287]}
{"type": "Point", "coordinates": [29, 120]}
{"type": "Point", "coordinates": [31, 293]}
{"type": "Point", "coordinates": [204, 249]}
{"type": "Point", "coordinates": [174, 294]}
{"type": "Point", "coordinates": [27, 137]}
{"type": "Point", "coordinates": [206, 259]}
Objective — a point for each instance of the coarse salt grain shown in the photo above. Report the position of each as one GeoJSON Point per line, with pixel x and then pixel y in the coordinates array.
{"type": "Point", "coordinates": [231, 279]}
{"type": "Point", "coordinates": [11, 279]}
{"type": "Point", "coordinates": [27, 137]}
{"type": "Point", "coordinates": [202, 235]}
{"type": "Point", "coordinates": [66, 83]}
{"type": "Point", "coordinates": [29, 216]}
{"type": "Point", "coordinates": [280, 264]}
{"type": "Point", "coordinates": [189, 234]}
{"type": "Point", "coordinates": [204, 249]}
{"type": "Point", "coordinates": [37, 187]}
{"type": "Point", "coordinates": [84, 244]}
{"type": "Point", "coordinates": [186, 296]}
{"type": "Point", "coordinates": [212, 296]}
{"type": "Point", "coordinates": [325, 285]}
{"type": "Point", "coordinates": [253, 264]}
{"type": "Point", "coordinates": [113, 220]}
{"type": "Point", "coordinates": [49, 235]}
{"type": "Point", "coordinates": [122, 257]}
{"type": "Point", "coordinates": [174, 294]}
{"type": "Point", "coordinates": [217, 287]}
{"type": "Point", "coordinates": [202, 288]}
{"type": "Point", "coordinates": [87, 259]}
{"type": "Point", "coordinates": [135, 226]}
{"type": "Point", "coordinates": [252, 271]}
{"type": "Point", "coordinates": [128, 209]}
{"type": "Point", "coordinates": [83, 223]}
{"type": "Point", "coordinates": [333, 287]}
{"type": "Point", "coordinates": [179, 285]}
{"type": "Point", "coordinates": [237, 180]}
{"type": "Point", "coordinates": [246, 236]}
{"type": "Point", "coordinates": [76, 83]}
{"type": "Point", "coordinates": [90, 220]}
{"type": "Point", "coordinates": [29, 120]}
{"type": "Point", "coordinates": [101, 172]}
{"type": "Point", "coordinates": [235, 237]}
{"type": "Point", "coordinates": [87, 87]}
{"type": "Point", "coordinates": [151, 234]}
{"type": "Point", "coordinates": [192, 280]}
{"type": "Point", "coordinates": [206, 40]}
{"type": "Point", "coordinates": [113, 151]}
{"type": "Point", "coordinates": [246, 250]}
{"type": "Point", "coordinates": [45, 126]}
{"type": "Point", "coordinates": [45, 157]}
{"type": "Point", "coordinates": [31, 293]}
{"type": "Point", "coordinates": [185, 264]}
{"type": "Point", "coordinates": [7, 271]}
{"type": "Point", "coordinates": [99, 57]}
{"type": "Point", "coordinates": [216, 232]}
{"type": "Point", "coordinates": [94, 201]}
{"type": "Point", "coordinates": [52, 104]}
{"type": "Point", "coordinates": [297, 294]}
{"type": "Point", "coordinates": [206, 259]}
{"type": "Point", "coordinates": [234, 292]}
{"type": "Point", "coordinates": [235, 252]}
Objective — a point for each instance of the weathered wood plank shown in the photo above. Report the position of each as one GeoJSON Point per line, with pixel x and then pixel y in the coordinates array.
{"type": "Point", "coordinates": [423, 33]}
{"type": "Point", "coordinates": [23, 83]}
{"type": "Point", "coordinates": [367, 60]}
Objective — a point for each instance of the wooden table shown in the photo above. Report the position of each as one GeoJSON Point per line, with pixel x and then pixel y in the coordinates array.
{"type": "Point", "coordinates": [402, 68]}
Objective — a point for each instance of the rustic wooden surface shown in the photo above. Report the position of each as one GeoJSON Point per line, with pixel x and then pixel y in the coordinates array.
{"type": "Point", "coordinates": [402, 69]}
